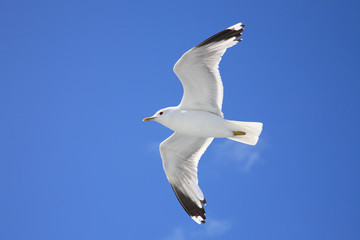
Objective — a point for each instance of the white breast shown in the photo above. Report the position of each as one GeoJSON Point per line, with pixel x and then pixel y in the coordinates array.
{"type": "Point", "coordinates": [198, 123]}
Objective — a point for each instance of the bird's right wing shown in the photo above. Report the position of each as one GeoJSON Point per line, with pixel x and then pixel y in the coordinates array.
{"type": "Point", "coordinates": [181, 154]}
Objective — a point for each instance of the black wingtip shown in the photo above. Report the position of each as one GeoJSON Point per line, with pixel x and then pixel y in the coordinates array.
{"type": "Point", "coordinates": [189, 205]}
{"type": "Point", "coordinates": [224, 35]}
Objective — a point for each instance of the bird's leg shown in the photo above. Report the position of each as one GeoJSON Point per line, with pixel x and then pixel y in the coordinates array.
{"type": "Point", "coordinates": [239, 133]}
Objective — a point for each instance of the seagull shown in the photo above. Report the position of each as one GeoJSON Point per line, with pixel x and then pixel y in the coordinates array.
{"type": "Point", "coordinates": [198, 119]}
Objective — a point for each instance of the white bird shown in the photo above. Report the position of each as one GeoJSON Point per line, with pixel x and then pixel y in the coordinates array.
{"type": "Point", "coordinates": [198, 119]}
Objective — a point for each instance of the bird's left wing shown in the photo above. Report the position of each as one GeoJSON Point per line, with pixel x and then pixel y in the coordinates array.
{"type": "Point", "coordinates": [198, 71]}
{"type": "Point", "coordinates": [181, 154]}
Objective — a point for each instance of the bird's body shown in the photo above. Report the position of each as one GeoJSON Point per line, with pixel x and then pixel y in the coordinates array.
{"type": "Point", "coordinates": [198, 119]}
{"type": "Point", "coordinates": [196, 123]}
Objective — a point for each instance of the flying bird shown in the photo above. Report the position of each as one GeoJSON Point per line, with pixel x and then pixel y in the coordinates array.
{"type": "Point", "coordinates": [198, 119]}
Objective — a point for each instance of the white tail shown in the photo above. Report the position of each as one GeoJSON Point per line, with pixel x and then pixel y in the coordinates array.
{"type": "Point", "coordinates": [252, 131]}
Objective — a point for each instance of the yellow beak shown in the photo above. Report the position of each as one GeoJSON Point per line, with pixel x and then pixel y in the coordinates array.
{"type": "Point", "coordinates": [148, 119]}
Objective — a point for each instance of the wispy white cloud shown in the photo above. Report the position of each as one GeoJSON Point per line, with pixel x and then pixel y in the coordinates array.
{"type": "Point", "coordinates": [215, 227]}
{"type": "Point", "coordinates": [239, 155]}
{"type": "Point", "coordinates": [177, 234]}
{"type": "Point", "coordinates": [211, 229]}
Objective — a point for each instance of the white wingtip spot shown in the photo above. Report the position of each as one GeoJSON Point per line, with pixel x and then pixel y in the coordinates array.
{"type": "Point", "coordinates": [236, 27]}
{"type": "Point", "coordinates": [198, 219]}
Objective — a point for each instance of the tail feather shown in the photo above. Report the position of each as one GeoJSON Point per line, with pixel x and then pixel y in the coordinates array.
{"type": "Point", "coordinates": [252, 131]}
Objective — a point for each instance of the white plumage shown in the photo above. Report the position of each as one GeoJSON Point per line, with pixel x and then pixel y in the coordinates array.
{"type": "Point", "coordinates": [198, 119]}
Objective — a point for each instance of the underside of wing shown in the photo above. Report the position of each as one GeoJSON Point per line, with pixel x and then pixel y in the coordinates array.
{"type": "Point", "coordinates": [181, 155]}
{"type": "Point", "coordinates": [198, 71]}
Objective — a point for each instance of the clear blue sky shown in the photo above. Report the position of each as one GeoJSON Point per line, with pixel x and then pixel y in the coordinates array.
{"type": "Point", "coordinates": [77, 162]}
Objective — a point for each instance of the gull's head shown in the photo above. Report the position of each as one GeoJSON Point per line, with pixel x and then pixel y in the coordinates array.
{"type": "Point", "coordinates": [159, 116]}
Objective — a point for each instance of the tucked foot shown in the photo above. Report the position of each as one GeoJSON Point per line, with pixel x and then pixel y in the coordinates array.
{"type": "Point", "coordinates": [239, 133]}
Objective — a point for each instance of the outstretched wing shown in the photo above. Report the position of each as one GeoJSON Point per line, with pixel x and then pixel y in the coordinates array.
{"type": "Point", "coordinates": [198, 71]}
{"type": "Point", "coordinates": [181, 154]}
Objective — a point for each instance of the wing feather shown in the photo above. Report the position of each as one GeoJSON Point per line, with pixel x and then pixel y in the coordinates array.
{"type": "Point", "coordinates": [181, 154]}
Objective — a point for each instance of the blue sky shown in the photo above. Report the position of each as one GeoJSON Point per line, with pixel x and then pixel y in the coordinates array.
{"type": "Point", "coordinates": [77, 162]}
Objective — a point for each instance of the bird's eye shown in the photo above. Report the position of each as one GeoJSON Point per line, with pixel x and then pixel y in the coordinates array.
{"type": "Point", "coordinates": [160, 113]}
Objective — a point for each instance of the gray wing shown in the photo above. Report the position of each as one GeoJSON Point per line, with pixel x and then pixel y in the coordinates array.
{"type": "Point", "coordinates": [198, 71]}
{"type": "Point", "coordinates": [181, 155]}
